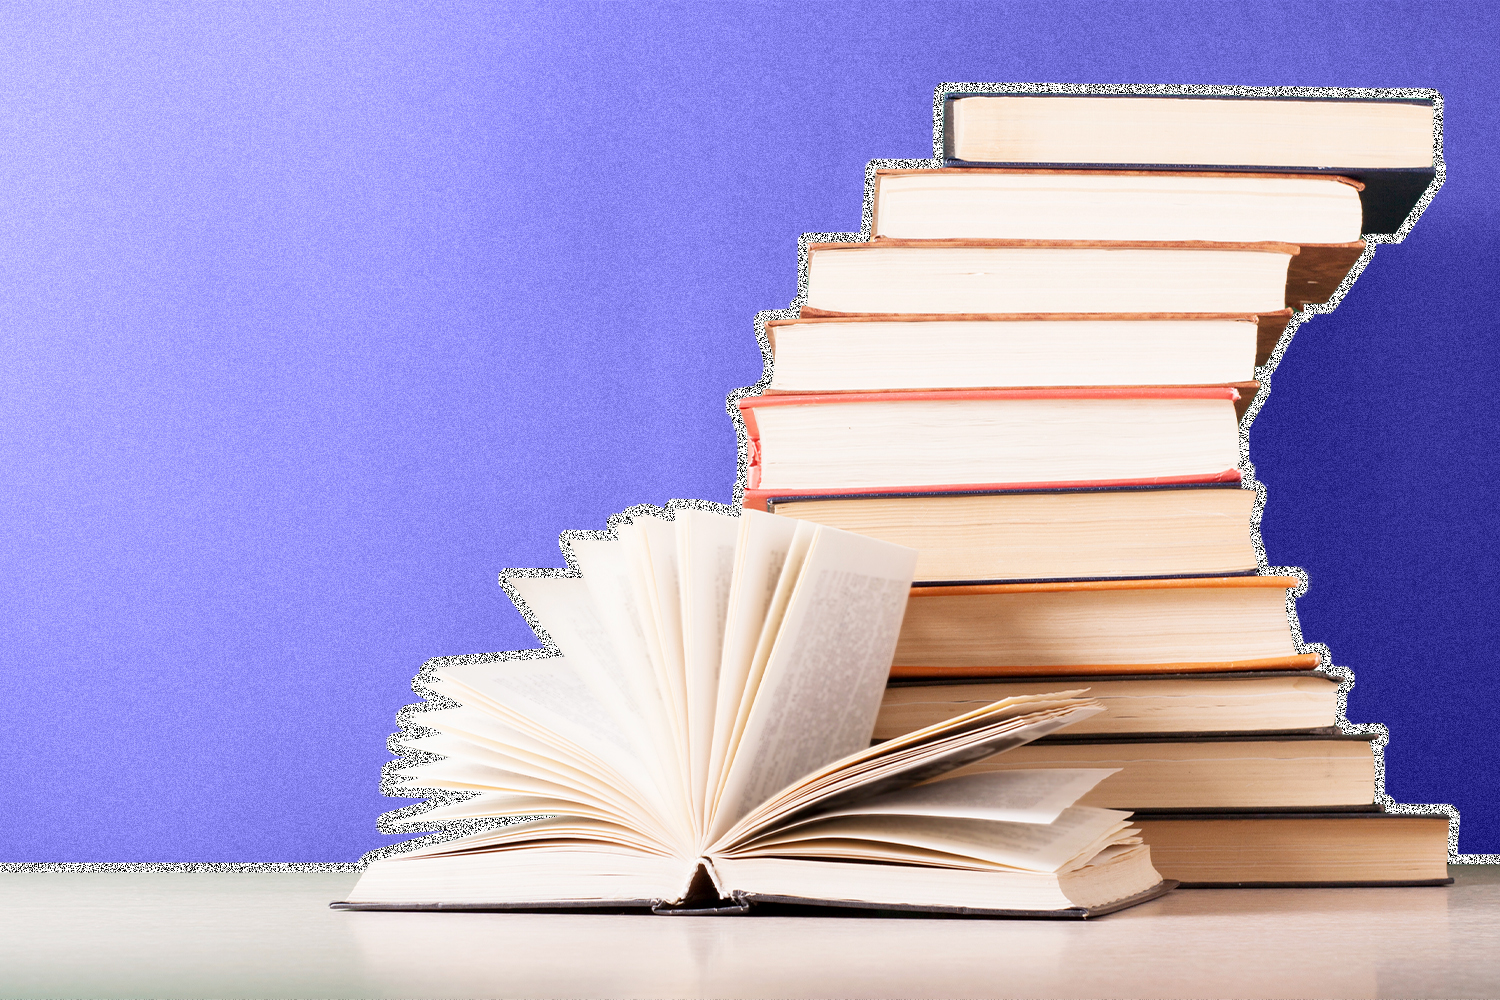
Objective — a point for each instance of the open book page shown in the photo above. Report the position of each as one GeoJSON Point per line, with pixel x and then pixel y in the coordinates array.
{"type": "Point", "coordinates": [483, 754]}
{"type": "Point", "coordinates": [503, 779]}
{"type": "Point", "coordinates": [490, 804]}
{"type": "Point", "coordinates": [624, 685]}
{"type": "Point", "coordinates": [752, 673]}
{"type": "Point", "coordinates": [911, 759]}
{"type": "Point", "coordinates": [825, 674]}
{"type": "Point", "coordinates": [552, 696]}
{"type": "Point", "coordinates": [762, 546]}
{"type": "Point", "coordinates": [650, 547]}
{"type": "Point", "coordinates": [511, 793]}
{"type": "Point", "coordinates": [613, 580]}
{"type": "Point", "coordinates": [481, 730]}
{"type": "Point", "coordinates": [551, 831]}
{"type": "Point", "coordinates": [705, 551]}
{"type": "Point", "coordinates": [1031, 796]}
{"type": "Point", "coordinates": [553, 701]}
{"type": "Point", "coordinates": [1077, 835]}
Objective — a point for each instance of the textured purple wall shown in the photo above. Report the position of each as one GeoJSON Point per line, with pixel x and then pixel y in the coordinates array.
{"type": "Point", "coordinates": [315, 318]}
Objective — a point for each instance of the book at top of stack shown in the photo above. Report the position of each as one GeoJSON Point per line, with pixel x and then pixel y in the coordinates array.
{"type": "Point", "coordinates": [1033, 373]}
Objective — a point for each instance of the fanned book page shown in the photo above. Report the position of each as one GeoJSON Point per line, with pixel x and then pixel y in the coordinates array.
{"type": "Point", "coordinates": [702, 742]}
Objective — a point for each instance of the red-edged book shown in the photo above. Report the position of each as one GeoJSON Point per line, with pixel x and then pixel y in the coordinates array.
{"type": "Point", "coordinates": [847, 444]}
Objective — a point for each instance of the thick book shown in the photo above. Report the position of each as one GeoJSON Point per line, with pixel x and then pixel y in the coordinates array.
{"type": "Point", "coordinates": [1385, 144]}
{"type": "Point", "coordinates": [893, 332]}
{"type": "Point", "coordinates": [1262, 702]}
{"type": "Point", "coordinates": [840, 443]}
{"type": "Point", "coordinates": [1018, 535]}
{"type": "Point", "coordinates": [1070, 276]}
{"type": "Point", "coordinates": [882, 354]}
{"type": "Point", "coordinates": [1015, 204]}
{"type": "Point", "coordinates": [1188, 772]}
{"type": "Point", "coordinates": [702, 742]}
{"type": "Point", "coordinates": [1351, 848]}
{"type": "Point", "coordinates": [1099, 627]}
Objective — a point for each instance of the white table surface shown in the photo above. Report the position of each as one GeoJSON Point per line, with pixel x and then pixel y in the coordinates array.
{"type": "Point", "coordinates": [270, 935]}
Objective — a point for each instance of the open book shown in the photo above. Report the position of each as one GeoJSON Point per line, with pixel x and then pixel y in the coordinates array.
{"type": "Point", "coordinates": [703, 743]}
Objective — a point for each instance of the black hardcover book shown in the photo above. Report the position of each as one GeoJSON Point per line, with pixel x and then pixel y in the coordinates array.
{"type": "Point", "coordinates": [1179, 141]}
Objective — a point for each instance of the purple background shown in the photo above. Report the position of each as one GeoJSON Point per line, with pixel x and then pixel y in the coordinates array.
{"type": "Point", "coordinates": [315, 319]}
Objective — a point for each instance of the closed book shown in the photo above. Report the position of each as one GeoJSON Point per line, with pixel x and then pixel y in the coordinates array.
{"type": "Point", "coordinates": [1326, 770]}
{"type": "Point", "coordinates": [878, 354]}
{"type": "Point", "coordinates": [1264, 702]}
{"type": "Point", "coordinates": [960, 440]}
{"type": "Point", "coordinates": [857, 353]}
{"type": "Point", "coordinates": [1039, 204]}
{"type": "Point", "coordinates": [1299, 849]}
{"type": "Point", "coordinates": [1016, 535]}
{"type": "Point", "coordinates": [1387, 144]}
{"type": "Point", "coordinates": [1070, 276]}
{"type": "Point", "coordinates": [1098, 627]}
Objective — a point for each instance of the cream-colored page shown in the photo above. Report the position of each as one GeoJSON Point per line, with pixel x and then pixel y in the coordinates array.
{"type": "Point", "coordinates": [524, 756]}
{"type": "Point", "coordinates": [477, 722]}
{"type": "Point", "coordinates": [1032, 846]}
{"type": "Point", "coordinates": [823, 681]}
{"type": "Point", "coordinates": [503, 792]}
{"type": "Point", "coordinates": [552, 693]}
{"type": "Point", "coordinates": [561, 831]}
{"type": "Point", "coordinates": [761, 549]}
{"type": "Point", "coordinates": [623, 684]}
{"type": "Point", "coordinates": [654, 543]}
{"type": "Point", "coordinates": [765, 642]}
{"type": "Point", "coordinates": [1038, 795]}
{"type": "Point", "coordinates": [705, 552]}
{"type": "Point", "coordinates": [621, 608]}
{"type": "Point", "coordinates": [910, 760]}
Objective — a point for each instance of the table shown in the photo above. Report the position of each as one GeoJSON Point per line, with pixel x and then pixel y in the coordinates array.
{"type": "Point", "coordinates": [271, 935]}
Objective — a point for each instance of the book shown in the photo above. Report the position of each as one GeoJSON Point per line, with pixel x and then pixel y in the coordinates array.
{"type": "Point", "coordinates": [1080, 534]}
{"type": "Point", "coordinates": [1264, 702]}
{"type": "Point", "coordinates": [701, 742]}
{"type": "Point", "coordinates": [947, 277]}
{"type": "Point", "coordinates": [1296, 849]}
{"type": "Point", "coordinates": [1386, 144]}
{"type": "Point", "coordinates": [1316, 771]}
{"type": "Point", "coordinates": [1013, 204]}
{"type": "Point", "coordinates": [1269, 328]}
{"type": "Point", "coordinates": [968, 440]}
{"type": "Point", "coordinates": [1106, 626]}
{"type": "Point", "coordinates": [881, 354]}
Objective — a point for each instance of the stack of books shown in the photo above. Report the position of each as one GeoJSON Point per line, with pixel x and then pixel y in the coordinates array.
{"type": "Point", "coordinates": [1034, 371]}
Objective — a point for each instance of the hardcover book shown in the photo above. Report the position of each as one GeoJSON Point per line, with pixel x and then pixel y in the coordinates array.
{"type": "Point", "coordinates": [1201, 772]}
{"type": "Point", "coordinates": [1368, 848]}
{"type": "Point", "coordinates": [1384, 143]}
{"type": "Point", "coordinates": [1262, 701]}
{"type": "Point", "coordinates": [1099, 627]}
{"type": "Point", "coordinates": [978, 204]}
{"type": "Point", "coordinates": [1079, 534]}
{"type": "Point", "coordinates": [1070, 276]}
{"type": "Point", "coordinates": [966, 440]}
